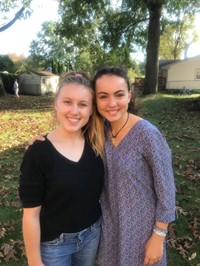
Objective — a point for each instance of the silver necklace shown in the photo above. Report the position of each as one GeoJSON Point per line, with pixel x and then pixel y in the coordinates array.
{"type": "Point", "coordinates": [114, 136]}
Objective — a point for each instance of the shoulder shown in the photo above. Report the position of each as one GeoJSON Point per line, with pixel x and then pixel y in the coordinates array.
{"type": "Point", "coordinates": [36, 155]}
{"type": "Point", "coordinates": [149, 134]}
{"type": "Point", "coordinates": [154, 139]}
{"type": "Point", "coordinates": [148, 129]}
{"type": "Point", "coordinates": [40, 153]}
{"type": "Point", "coordinates": [37, 148]}
{"type": "Point", "coordinates": [143, 128]}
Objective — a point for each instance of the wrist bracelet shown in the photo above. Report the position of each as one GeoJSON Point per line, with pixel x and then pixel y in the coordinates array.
{"type": "Point", "coordinates": [160, 231]}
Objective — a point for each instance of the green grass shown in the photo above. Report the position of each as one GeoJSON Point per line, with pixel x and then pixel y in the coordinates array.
{"type": "Point", "coordinates": [23, 119]}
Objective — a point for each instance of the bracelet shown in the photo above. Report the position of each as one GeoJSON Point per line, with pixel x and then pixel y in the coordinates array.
{"type": "Point", "coordinates": [160, 231]}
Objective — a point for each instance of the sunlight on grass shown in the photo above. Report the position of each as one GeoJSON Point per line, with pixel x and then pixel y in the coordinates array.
{"type": "Point", "coordinates": [180, 96]}
{"type": "Point", "coordinates": [25, 114]}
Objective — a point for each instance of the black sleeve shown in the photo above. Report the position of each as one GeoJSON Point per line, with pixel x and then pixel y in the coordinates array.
{"type": "Point", "coordinates": [32, 177]}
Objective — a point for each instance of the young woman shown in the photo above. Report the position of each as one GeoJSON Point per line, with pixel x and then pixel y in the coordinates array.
{"type": "Point", "coordinates": [61, 182]}
{"type": "Point", "coordinates": [138, 199]}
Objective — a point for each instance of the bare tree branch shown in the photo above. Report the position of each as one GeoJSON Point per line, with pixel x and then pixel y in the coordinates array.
{"type": "Point", "coordinates": [17, 16]}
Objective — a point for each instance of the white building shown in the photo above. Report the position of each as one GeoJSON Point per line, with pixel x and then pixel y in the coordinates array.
{"type": "Point", "coordinates": [183, 74]}
{"type": "Point", "coordinates": [38, 83]}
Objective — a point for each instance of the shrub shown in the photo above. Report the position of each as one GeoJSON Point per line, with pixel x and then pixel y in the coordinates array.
{"type": "Point", "coordinates": [8, 81]}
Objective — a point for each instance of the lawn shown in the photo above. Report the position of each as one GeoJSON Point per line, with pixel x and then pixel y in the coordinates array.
{"type": "Point", "coordinates": [178, 117]}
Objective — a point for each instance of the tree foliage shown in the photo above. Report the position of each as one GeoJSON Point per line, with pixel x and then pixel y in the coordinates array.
{"type": "Point", "coordinates": [90, 34]}
{"type": "Point", "coordinates": [177, 36]}
{"type": "Point", "coordinates": [6, 64]}
{"type": "Point", "coordinates": [104, 31]}
{"type": "Point", "coordinates": [50, 47]}
{"type": "Point", "coordinates": [20, 63]}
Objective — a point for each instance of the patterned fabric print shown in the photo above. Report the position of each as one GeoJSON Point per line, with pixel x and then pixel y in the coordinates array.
{"type": "Point", "coordinates": [139, 189]}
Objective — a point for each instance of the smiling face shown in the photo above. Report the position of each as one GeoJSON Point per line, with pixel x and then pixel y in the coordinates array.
{"type": "Point", "coordinates": [74, 106]}
{"type": "Point", "coordinates": [112, 97]}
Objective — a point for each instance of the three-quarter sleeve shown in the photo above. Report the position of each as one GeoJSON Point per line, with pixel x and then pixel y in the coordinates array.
{"type": "Point", "coordinates": [32, 178]}
{"type": "Point", "coordinates": [160, 160]}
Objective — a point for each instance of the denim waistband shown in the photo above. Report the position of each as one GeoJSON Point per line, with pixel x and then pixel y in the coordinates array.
{"type": "Point", "coordinates": [90, 228]}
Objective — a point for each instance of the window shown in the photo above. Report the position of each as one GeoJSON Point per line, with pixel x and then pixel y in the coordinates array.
{"type": "Point", "coordinates": [197, 76]}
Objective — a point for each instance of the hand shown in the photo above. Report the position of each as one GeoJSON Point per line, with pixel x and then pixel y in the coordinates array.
{"type": "Point", "coordinates": [30, 142]}
{"type": "Point", "coordinates": [153, 250]}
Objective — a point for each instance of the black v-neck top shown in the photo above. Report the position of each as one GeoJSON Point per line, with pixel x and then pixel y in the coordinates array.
{"type": "Point", "coordinates": [68, 191]}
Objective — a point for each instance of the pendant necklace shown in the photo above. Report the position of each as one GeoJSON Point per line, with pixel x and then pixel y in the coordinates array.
{"type": "Point", "coordinates": [114, 136]}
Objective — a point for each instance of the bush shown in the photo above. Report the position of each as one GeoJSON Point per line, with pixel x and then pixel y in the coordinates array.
{"type": "Point", "coordinates": [8, 81]}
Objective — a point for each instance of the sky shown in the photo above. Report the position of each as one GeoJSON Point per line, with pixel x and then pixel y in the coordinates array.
{"type": "Point", "coordinates": [18, 37]}
{"type": "Point", "coordinates": [195, 48]}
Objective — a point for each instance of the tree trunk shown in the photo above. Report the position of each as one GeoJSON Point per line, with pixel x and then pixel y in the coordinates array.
{"type": "Point", "coordinates": [151, 72]}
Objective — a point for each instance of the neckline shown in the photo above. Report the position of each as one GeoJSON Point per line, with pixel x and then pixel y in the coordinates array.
{"type": "Point", "coordinates": [115, 135]}
{"type": "Point", "coordinates": [134, 127]}
{"type": "Point", "coordinates": [64, 157]}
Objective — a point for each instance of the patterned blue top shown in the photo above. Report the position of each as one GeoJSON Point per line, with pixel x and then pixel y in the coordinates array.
{"type": "Point", "coordinates": [139, 189]}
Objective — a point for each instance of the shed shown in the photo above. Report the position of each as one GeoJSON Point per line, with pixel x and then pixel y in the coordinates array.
{"type": "Point", "coordinates": [183, 74]}
{"type": "Point", "coordinates": [38, 83]}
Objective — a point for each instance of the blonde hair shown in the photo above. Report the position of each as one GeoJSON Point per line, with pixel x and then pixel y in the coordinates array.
{"type": "Point", "coordinates": [93, 131]}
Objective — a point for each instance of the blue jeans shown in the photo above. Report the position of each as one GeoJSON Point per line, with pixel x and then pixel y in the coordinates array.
{"type": "Point", "coordinates": [73, 249]}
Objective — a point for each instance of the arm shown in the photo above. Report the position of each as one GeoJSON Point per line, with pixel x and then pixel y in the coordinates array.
{"type": "Point", "coordinates": [31, 234]}
{"type": "Point", "coordinates": [160, 161]}
{"type": "Point", "coordinates": [154, 246]}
